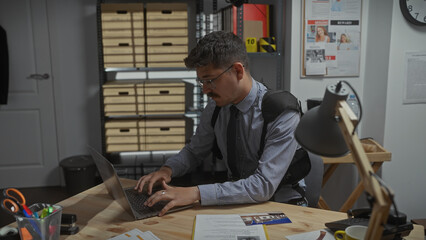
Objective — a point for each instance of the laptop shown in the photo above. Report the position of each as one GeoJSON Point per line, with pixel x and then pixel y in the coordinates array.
{"type": "Point", "coordinates": [131, 200]}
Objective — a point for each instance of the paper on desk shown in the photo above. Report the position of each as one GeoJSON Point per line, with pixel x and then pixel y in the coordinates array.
{"type": "Point", "coordinates": [136, 234]}
{"type": "Point", "coordinates": [323, 234]}
{"type": "Point", "coordinates": [224, 227]}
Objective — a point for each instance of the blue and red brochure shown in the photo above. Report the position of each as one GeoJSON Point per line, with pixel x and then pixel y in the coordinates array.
{"type": "Point", "coordinates": [265, 218]}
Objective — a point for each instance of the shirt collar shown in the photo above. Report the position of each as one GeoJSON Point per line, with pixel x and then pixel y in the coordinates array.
{"type": "Point", "coordinates": [249, 100]}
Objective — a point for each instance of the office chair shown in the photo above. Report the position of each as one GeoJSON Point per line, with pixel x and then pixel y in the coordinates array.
{"type": "Point", "coordinates": [313, 180]}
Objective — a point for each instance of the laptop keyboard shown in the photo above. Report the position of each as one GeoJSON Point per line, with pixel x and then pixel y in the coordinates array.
{"type": "Point", "coordinates": [137, 200]}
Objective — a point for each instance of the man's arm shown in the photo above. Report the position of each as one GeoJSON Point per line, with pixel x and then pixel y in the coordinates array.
{"type": "Point", "coordinates": [188, 158]}
{"type": "Point", "coordinates": [194, 153]}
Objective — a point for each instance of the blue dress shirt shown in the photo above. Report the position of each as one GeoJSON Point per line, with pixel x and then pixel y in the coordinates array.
{"type": "Point", "coordinates": [280, 146]}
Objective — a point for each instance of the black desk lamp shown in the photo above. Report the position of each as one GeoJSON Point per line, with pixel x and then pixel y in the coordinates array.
{"type": "Point", "coordinates": [329, 130]}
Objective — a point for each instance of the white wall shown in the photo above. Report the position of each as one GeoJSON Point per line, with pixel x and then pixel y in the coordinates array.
{"type": "Point", "coordinates": [405, 128]}
{"type": "Point", "coordinates": [73, 33]}
{"type": "Point", "coordinates": [401, 129]}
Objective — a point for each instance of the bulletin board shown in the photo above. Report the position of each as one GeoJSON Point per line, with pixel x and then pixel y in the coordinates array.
{"type": "Point", "coordinates": [331, 38]}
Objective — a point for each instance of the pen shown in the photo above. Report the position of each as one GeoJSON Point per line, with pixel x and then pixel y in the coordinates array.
{"type": "Point", "coordinates": [44, 213]}
{"type": "Point", "coordinates": [50, 209]}
{"type": "Point", "coordinates": [27, 211]}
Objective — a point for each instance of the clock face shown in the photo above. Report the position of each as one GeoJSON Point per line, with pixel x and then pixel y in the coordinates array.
{"type": "Point", "coordinates": [414, 11]}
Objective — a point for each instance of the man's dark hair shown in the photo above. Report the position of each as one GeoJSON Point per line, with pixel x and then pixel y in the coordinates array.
{"type": "Point", "coordinates": [218, 48]}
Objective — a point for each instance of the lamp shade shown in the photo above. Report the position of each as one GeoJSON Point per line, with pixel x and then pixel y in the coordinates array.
{"type": "Point", "coordinates": [319, 131]}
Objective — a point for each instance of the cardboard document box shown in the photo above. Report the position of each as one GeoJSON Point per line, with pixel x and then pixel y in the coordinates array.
{"type": "Point", "coordinates": [120, 108]}
{"type": "Point", "coordinates": [120, 33]}
{"type": "Point", "coordinates": [164, 88]}
{"type": "Point", "coordinates": [118, 91]}
{"type": "Point", "coordinates": [121, 124]}
{"type": "Point", "coordinates": [115, 42]}
{"type": "Point", "coordinates": [166, 133]}
{"type": "Point", "coordinates": [165, 108]}
{"type": "Point", "coordinates": [119, 98]}
{"type": "Point", "coordinates": [122, 147]}
{"type": "Point", "coordinates": [163, 146]}
{"type": "Point", "coordinates": [122, 135]}
{"type": "Point", "coordinates": [167, 49]}
{"type": "Point", "coordinates": [175, 23]}
{"type": "Point", "coordinates": [180, 64]}
{"type": "Point", "coordinates": [166, 11]}
{"type": "Point", "coordinates": [163, 99]}
{"type": "Point", "coordinates": [121, 11]}
{"type": "Point", "coordinates": [169, 41]}
{"type": "Point", "coordinates": [168, 139]}
{"type": "Point", "coordinates": [118, 50]}
{"type": "Point", "coordinates": [166, 57]}
{"type": "Point", "coordinates": [167, 32]}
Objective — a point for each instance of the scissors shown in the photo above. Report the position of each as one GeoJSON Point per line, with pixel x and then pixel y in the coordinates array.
{"type": "Point", "coordinates": [14, 203]}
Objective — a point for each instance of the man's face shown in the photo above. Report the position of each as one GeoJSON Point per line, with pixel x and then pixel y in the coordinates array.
{"type": "Point", "coordinates": [223, 89]}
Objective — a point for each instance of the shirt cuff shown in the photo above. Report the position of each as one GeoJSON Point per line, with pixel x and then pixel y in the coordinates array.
{"type": "Point", "coordinates": [208, 194]}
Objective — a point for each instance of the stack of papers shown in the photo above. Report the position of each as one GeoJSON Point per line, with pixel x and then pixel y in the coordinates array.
{"type": "Point", "coordinates": [136, 234]}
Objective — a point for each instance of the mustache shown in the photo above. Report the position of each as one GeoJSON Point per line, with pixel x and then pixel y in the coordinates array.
{"type": "Point", "coordinates": [210, 94]}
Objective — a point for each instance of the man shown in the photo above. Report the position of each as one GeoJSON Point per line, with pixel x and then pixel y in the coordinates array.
{"type": "Point", "coordinates": [221, 63]}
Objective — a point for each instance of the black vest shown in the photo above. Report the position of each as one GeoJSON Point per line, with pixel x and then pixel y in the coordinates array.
{"type": "Point", "coordinates": [273, 104]}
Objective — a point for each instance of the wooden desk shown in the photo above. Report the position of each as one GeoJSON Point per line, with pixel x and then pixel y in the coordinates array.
{"type": "Point", "coordinates": [377, 158]}
{"type": "Point", "coordinates": [99, 217]}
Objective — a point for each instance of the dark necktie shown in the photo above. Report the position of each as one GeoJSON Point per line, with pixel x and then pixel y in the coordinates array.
{"type": "Point", "coordinates": [231, 136]}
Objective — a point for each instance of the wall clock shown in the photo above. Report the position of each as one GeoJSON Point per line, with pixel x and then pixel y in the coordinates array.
{"type": "Point", "coordinates": [414, 11]}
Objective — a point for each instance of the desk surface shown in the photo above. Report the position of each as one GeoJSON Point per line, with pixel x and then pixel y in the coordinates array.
{"type": "Point", "coordinates": [99, 217]}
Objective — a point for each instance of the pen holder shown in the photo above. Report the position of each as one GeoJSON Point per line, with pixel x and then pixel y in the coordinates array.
{"type": "Point", "coordinates": [37, 228]}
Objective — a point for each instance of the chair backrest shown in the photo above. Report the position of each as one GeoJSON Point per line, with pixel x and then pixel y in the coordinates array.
{"type": "Point", "coordinates": [313, 180]}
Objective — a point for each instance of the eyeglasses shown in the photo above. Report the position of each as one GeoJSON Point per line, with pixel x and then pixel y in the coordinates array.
{"type": "Point", "coordinates": [210, 83]}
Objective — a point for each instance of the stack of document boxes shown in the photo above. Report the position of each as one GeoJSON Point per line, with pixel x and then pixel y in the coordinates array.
{"type": "Point", "coordinates": [147, 134]}
{"type": "Point", "coordinates": [123, 35]}
{"type": "Point", "coordinates": [151, 115]}
{"type": "Point", "coordinates": [120, 99]}
{"type": "Point", "coordinates": [126, 40]}
{"type": "Point", "coordinates": [166, 34]}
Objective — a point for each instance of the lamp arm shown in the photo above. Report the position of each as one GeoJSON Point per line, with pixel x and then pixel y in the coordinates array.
{"type": "Point", "coordinates": [382, 200]}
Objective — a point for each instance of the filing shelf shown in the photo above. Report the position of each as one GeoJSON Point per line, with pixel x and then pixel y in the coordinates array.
{"type": "Point", "coordinates": [145, 119]}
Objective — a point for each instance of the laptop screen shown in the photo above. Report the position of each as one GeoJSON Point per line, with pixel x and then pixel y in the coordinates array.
{"type": "Point", "coordinates": [111, 180]}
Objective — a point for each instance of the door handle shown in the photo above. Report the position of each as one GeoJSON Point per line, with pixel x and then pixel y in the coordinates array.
{"type": "Point", "coordinates": [39, 76]}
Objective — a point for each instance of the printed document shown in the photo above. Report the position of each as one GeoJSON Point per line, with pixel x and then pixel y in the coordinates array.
{"type": "Point", "coordinates": [224, 227]}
